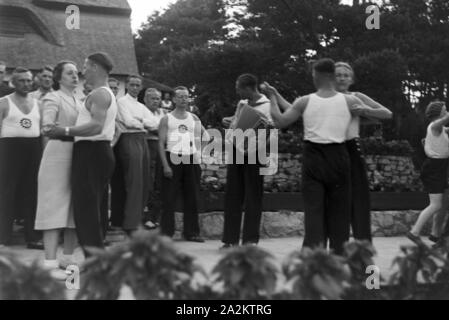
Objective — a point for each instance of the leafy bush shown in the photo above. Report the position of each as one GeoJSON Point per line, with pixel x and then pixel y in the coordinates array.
{"type": "Point", "coordinates": [377, 146]}
{"type": "Point", "coordinates": [19, 281]}
{"type": "Point", "coordinates": [316, 274]}
{"type": "Point", "coordinates": [246, 273]}
{"type": "Point", "coordinates": [149, 265]}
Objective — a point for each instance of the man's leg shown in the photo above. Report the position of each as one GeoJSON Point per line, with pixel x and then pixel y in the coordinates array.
{"type": "Point", "coordinates": [85, 194]}
{"type": "Point", "coordinates": [131, 156]}
{"type": "Point", "coordinates": [170, 190]}
{"type": "Point", "coordinates": [118, 191]}
{"type": "Point", "coordinates": [234, 196]}
{"type": "Point", "coordinates": [360, 198]}
{"type": "Point", "coordinates": [9, 173]}
{"type": "Point", "coordinates": [191, 190]}
{"type": "Point", "coordinates": [26, 197]}
{"type": "Point", "coordinates": [253, 203]}
{"type": "Point", "coordinates": [338, 194]}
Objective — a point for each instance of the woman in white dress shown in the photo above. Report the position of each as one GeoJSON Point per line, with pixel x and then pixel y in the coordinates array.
{"type": "Point", "coordinates": [54, 211]}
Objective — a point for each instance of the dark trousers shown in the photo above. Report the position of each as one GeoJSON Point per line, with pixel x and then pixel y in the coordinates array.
{"type": "Point", "coordinates": [244, 187]}
{"type": "Point", "coordinates": [92, 167]}
{"type": "Point", "coordinates": [155, 181]}
{"type": "Point", "coordinates": [327, 195]}
{"type": "Point", "coordinates": [118, 191]}
{"type": "Point", "coordinates": [134, 158]}
{"type": "Point", "coordinates": [19, 167]}
{"type": "Point", "coordinates": [360, 200]}
{"type": "Point", "coordinates": [104, 210]}
{"type": "Point", "coordinates": [186, 182]}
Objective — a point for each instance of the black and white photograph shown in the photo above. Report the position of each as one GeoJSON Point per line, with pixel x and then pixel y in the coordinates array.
{"type": "Point", "coordinates": [224, 155]}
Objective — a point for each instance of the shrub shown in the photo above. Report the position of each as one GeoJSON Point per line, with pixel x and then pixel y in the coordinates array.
{"type": "Point", "coordinates": [246, 273]}
{"type": "Point", "coordinates": [149, 265]}
{"type": "Point", "coordinates": [316, 274]}
{"type": "Point", "coordinates": [377, 146]}
{"type": "Point", "coordinates": [19, 281]}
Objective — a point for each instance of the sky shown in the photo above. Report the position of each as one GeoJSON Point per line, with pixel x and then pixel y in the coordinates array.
{"type": "Point", "coordinates": [141, 9]}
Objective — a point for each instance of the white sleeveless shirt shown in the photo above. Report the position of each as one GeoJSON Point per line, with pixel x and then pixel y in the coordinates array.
{"type": "Point", "coordinates": [436, 147]}
{"type": "Point", "coordinates": [181, 135]}
{"type": "Point", "coordinates": [326, 120]}
{"type": "Point", "coordinates": [20, 125]}
{"type": "Point", "coordinates": [107, 134]}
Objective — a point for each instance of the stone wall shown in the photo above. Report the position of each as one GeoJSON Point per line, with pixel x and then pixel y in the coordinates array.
{"type": "Point", "coordinates": [291, 224]}
{"type": "Point", "coordinates": [385, 173]}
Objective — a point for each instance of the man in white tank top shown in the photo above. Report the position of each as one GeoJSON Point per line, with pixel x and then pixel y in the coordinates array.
{"type": "Point", "coordinates": [93, 159]}
{"type": "Point", "coordinates": [179, 134]}
{"type": "Point", "coordinates": [326, 177]}
{"type": "Point", "coordinates": [20, 153]}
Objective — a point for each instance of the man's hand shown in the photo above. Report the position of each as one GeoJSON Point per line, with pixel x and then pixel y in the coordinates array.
{"type": "Point", "coordinates": [359, 110]}
{"type": "Point", "coordinates": [55, 132]}
{"type": "Point", "coordinates": [227, 122]}
{"type": "Point", "coordinates": [168, 172]}
{"type": "Point", "coordinates": [268, 90]}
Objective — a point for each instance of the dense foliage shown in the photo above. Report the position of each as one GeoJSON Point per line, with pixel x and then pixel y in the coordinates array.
{"type": "Point", "coordinates": [150, 267]}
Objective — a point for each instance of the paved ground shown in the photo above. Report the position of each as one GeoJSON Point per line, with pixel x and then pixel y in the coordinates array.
{"type": "Point", "coordinates": [207, 254]}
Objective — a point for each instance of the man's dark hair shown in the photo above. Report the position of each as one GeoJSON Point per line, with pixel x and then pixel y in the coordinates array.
{"type": "Point", "coordinates": [248, 80]}
{"type": "Point", "coordinates": [325, 65]}
{"type": "Point", "coordinates": [46, 68]}
{"type": "Point", "coordinates": [133, 76]}
{"type": "Point", "coordinates": [21, 70]}
{"type": "Point", "coordinates": [103, 60]}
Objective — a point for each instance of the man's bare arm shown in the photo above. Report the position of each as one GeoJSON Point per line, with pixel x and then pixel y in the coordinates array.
{"type": "Point", "coordinates": [163, 129]}
{"type": "Point", "coordinates": [381, 113]}
{"type": "Point", "coordinates": [4, 110]}
{"type": "Point", "coordinates": [283, 120]}
{"type": "Point", "coordinates": [101, 101]}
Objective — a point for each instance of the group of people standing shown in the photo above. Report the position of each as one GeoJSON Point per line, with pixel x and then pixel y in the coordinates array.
{"type": "Point", "coordinates": [127, 150]}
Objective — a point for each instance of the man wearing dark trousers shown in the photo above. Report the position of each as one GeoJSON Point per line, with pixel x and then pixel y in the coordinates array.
{"type": "Point", "coordinates": [244, 183]}
{"type": "Point", "coordinates": [326, 167]}
{"type": "Point", "coordinates": [93, 159]}
{"type": "Point", "coordinates": [153, 98]}
{"type": "Point", "coordinates": [180, 135]}
{"type": "Point", "coordinates": [20, 154]}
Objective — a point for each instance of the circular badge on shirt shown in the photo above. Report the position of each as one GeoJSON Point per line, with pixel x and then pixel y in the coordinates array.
{"type": "Point", "coordinates": [26, 123]}
{"type": "Point", "coordinates": [182, 128]}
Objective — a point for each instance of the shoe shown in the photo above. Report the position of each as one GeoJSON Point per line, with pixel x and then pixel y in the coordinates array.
{"type": "Point", "coordinates": [195, 239]}
{"type": "Point", "coordinates": [228, 246]}
{"type": "Point", "coordinates": [254, 244]}
{"type": "Point", "coordinates": [434, 239]}
{"type": "Point", "coordinates": [149, 225]}
{"type": "Point", "coordinates": [59, 275]}
{"type": "Point", "coordinates": [37, 245]}
{"type": "Point", "coordinates": [416, 239]}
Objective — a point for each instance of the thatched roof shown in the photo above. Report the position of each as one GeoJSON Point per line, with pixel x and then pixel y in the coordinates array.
{"type": "Point", "coordinates": [33, 33]}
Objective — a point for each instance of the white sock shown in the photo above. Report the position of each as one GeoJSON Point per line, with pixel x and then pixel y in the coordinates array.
{"type": "Point", "coordinates": [51, 264]}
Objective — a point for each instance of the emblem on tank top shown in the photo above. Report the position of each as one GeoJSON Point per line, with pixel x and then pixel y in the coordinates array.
{"type": "Point", "coordinates": [26, 123]}
{"type": "Point", "coordinates": [182, 128]}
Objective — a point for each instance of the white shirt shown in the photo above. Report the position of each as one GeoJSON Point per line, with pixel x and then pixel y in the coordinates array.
{"type": "Point", "coordinates": [158, 114]}
{"type": "Point", "coordinates": [436, 147]}
{"type": "Point", "coordinates": [181, 135]}
{"type": "Point", "coordinates": [133, 114]}
{"type": "Point", "coordinates": [326, 120]}
{"type": "Point", "coordinates": [20, 125]}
